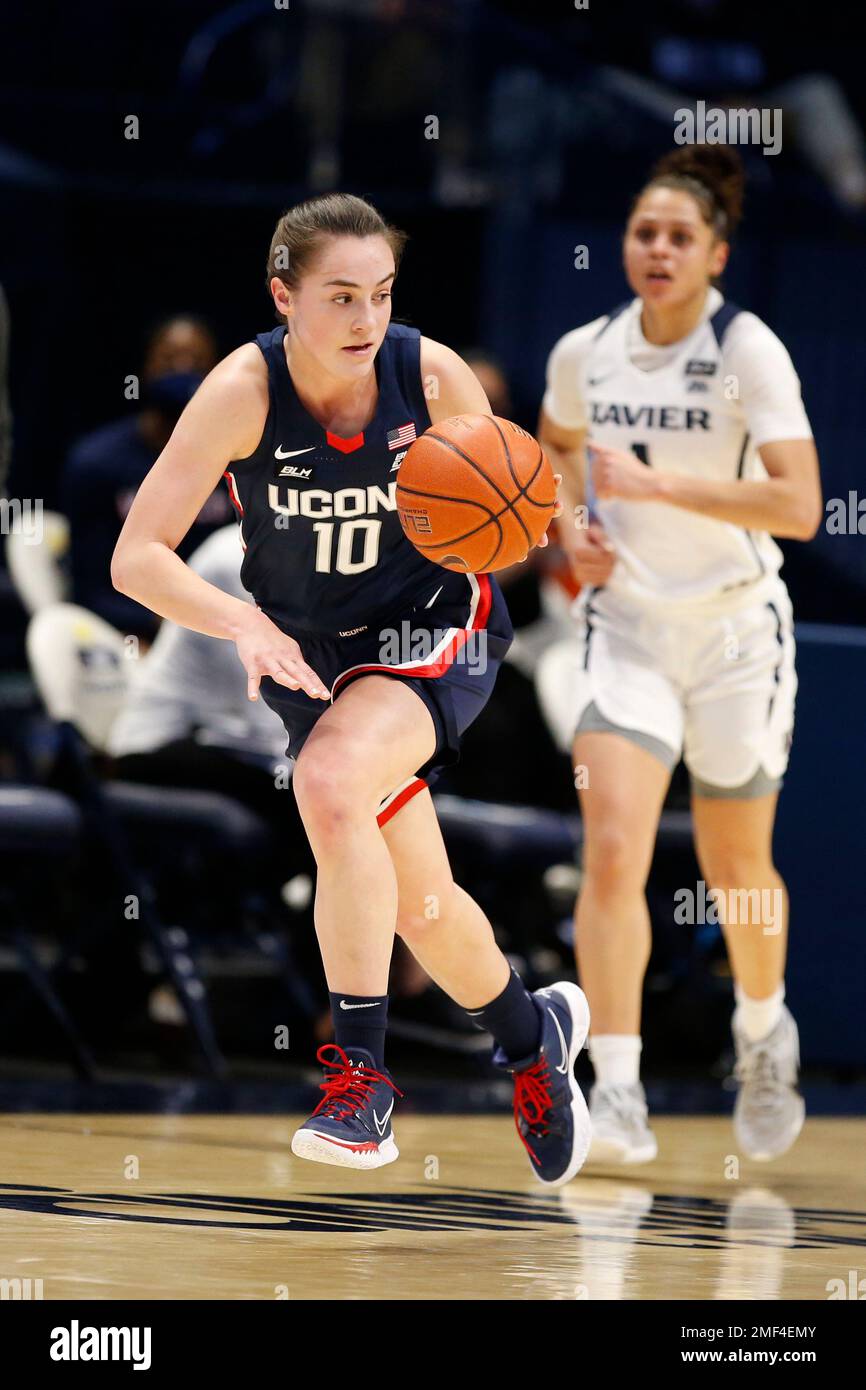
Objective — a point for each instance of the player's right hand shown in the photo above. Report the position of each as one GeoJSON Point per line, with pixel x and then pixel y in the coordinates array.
{"type": "Point", "coordinates": [266, 651]}
{"type": "Point", "coordinates": [590, 554]}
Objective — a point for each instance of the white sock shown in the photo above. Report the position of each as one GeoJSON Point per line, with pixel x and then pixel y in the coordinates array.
{"type": "Point", "coordinates": [615, 1058]}
{"type": "Point", "coordinates": [758, 1017]}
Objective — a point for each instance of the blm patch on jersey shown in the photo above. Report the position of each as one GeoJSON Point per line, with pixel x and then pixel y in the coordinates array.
{"type": "Point", "coordinates": [697, 367]}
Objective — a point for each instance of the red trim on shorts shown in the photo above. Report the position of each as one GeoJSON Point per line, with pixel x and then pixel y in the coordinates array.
{"type": "Point", "coordinates": [447, 657]}
{"type": "Point", "coordinates": [419, 785]}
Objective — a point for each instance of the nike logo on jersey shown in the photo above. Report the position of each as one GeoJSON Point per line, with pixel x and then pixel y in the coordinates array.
{"type": "Point", "coordinates": [382, 1125]}
{"type": "Point", "coordinates": [344, 1005]}
{"type": "Point", "coordinates": [280, 453]}
{"type": "Point", "coordinates": [292, 471]}
{"type": "Point", "coordinates": [597, 380]}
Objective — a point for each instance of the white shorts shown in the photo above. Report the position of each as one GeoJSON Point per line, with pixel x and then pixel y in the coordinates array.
{"type": "Point", "coordinates": [717, 691]}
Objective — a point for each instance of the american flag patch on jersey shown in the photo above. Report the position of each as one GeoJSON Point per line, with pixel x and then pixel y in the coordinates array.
{"type": "Point", "coordinates": [404, 435]}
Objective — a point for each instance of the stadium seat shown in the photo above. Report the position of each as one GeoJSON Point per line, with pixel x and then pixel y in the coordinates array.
{"type": "Point", "coordinates": [519, 836]}
{"type": "Point", "coordinates": [530, 838]}
{"type": "Point", "coordinates": [524, 863]}
{"type": "Point", "coordinates": [38, 828]}
{"type": "Point", "coordinates": [81, 665]}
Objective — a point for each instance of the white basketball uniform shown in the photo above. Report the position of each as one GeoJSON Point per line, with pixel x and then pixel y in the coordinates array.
{"type": "Point", "coordinates": [690, 642]}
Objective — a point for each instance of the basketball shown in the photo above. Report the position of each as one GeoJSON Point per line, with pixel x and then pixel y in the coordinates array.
{"type": "Point", "coordinates": [475, 493]}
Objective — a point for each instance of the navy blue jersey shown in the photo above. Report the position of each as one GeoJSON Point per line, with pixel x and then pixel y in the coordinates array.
{"type": "Point", "coordinates": [325, 551]}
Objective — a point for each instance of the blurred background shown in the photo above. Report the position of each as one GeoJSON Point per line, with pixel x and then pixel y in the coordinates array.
{"type": "Point", "coordinates": [155, 885]}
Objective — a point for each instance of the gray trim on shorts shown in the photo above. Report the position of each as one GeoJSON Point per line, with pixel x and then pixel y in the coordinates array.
{"type": "Point", "coordinates": [762, 784]}
{"type": "Point", "coordinates": [592, 721]}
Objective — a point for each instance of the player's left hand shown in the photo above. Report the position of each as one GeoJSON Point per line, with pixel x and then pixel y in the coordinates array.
{"type": "Point", "coordinates": [616, 473]}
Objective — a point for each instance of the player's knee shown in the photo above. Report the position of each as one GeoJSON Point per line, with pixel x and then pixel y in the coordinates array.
{"type": "Point", "coordinates": [746, 891]}
{"type": "Point", "coordinates": [327, 791]}
{"type": "Point", "coordinates": [732, 865]}
{"type": "Point", "coordinates": [610, 861]}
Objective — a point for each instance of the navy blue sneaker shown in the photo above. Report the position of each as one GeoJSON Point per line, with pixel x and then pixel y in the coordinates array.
{"type": "Point", "coordinates": [549, 1109]}
{"type": "Point", "coordinates": [351, 1125]}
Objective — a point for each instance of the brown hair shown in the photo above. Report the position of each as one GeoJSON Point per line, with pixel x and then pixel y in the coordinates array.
{"type": "Point", "coordinates": [712, 174]}
{"type": "Point", "coordinates": [302, 231]}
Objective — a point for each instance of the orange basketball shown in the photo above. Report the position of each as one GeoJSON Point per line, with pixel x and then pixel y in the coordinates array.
{"type": "Point", "coordinates": [475, 493]}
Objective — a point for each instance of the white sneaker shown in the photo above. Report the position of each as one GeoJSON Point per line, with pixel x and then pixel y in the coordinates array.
{"type": "Point", "coordinates": [769, 1111]}
{"type": "Point", "coordinates": [620, 1133]}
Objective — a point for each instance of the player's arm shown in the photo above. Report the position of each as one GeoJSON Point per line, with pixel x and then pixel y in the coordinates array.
{"type": "Point", "coordinates": [566, 450]}
{"type": "Point", "coordinates": [223, 421]}
{"type": "Point", "coordinates": [450, 385]}
{"type": "Point", "coordinates": [562, 425]}
{"type": "Point", "coordinates": [787, 503]}
{"type": "Point", "coordinates": [452, 388]}
{"type": "Point", "coordinates": [589, 552]}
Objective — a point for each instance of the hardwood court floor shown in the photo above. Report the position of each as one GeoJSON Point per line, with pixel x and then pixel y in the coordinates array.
{"type": "Point", "coordinates": [220, 1209]}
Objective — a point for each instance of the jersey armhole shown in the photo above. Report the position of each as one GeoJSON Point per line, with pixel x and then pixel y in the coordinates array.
{"type": "Point", "coordinates": [414, 392]}
{"type": "Point", "coordinates": [722, 319]}
{"type": "Point", "coordinates": [612, 316]}
{"type": "Point", "coordinates": [268, 427]}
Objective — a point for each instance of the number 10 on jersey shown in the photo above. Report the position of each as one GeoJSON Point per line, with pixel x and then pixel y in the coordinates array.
{"type": "Point", "coordinates": [345, 561]}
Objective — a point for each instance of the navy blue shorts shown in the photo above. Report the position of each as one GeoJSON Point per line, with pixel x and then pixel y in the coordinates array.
{"type": "Point", "coordinates": [448, 647]}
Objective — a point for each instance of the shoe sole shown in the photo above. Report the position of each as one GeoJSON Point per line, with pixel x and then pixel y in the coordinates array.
{"type": "Point", "coordinates": [578, 1008]}
{"type": "Point", "coordinates": [757, 1156]}
{"type": "Point", "coordinates": [318, 1148]}
{"type": "Point", "coordinates": [614, 1152]}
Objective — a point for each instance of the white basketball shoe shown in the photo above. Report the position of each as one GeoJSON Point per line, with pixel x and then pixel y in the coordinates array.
{"type": "Point", "coordinates": [620, 1132]}
{"type": "Point", "coordinates": [769, 1110]}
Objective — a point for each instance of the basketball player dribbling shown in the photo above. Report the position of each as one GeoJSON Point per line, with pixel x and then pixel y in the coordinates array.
{"type": "Point", "coordinates": [699, 451]}
{"type": "Point", "coordinates": [309, 424]}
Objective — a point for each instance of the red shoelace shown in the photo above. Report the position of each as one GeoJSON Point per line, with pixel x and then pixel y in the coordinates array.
{"type": "Point", "coordinates": [532, 1101]}
{"type": "Point", "coordinates": [348, 1087]}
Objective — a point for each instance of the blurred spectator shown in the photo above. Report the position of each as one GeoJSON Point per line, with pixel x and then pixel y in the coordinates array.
{"type": "Point", "coordinates": [630, 82]}
{"type": "Point", "coordinates": [491, 374]}
{"type": "Point", "coordinates": [105, 469]}
{"type": "Point", "coordinates": [187, 721]}
{"type": "Point", "coordinates": [189, 686]}
{"type": "Point", "coordinates": [5, 409]}
{"type": "Point", "coordinates": [421, 132]}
